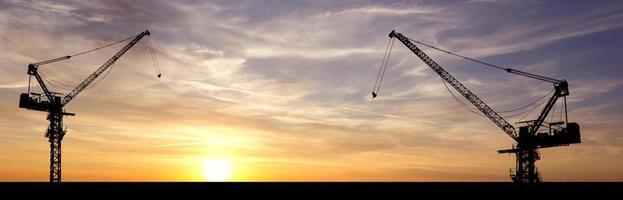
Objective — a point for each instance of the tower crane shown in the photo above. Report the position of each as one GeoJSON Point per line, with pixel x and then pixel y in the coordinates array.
{"type": "Point", "coordinates": [53, 103]}
{"type": "Point", "coordinates": [530, 136]}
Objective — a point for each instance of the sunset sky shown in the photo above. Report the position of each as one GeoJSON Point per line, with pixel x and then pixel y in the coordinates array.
{"type": "Point", "coordinates": [280, 90]}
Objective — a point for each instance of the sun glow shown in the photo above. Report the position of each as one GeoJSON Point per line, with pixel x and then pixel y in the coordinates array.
{"type": "Point", "coordinates": [217, 170]}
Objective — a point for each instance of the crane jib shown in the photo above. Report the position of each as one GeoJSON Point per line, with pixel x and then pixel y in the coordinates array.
{"type": "Point", "coordinates": [101, 69]}
{"type": "Point", "coordinates": [481, 105]}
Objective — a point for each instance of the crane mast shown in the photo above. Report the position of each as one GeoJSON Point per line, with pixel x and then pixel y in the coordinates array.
{"type": "Point", "coordinates": [528, 138]}
{"type": "Point", "coordinates": [54, 105]}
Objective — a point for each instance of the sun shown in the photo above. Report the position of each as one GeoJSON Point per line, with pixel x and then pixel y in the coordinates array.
{"type": "Point", "coordinates": [217, 170]}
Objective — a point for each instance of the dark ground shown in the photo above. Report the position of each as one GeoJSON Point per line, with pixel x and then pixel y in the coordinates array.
{"type": "Point", "coordinates": [319, 189]}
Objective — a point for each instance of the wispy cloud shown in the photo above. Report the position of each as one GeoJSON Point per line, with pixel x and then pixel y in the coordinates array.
{"type": "Point", "coordinates": [287, 86]}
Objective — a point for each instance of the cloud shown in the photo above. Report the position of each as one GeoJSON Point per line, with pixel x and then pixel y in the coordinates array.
{"type": "Point", "coordinates": [534, 34]}
{"type": "Point", "coordinates": [586, 89]}
{"type": "Point", "coordinates": [287, 85]}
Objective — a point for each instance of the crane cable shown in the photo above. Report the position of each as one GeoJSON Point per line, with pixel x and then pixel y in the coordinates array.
{"type": "Point", "coordinates": [562, 108]}
{"type": "Point", "coordinates": [532, 103]}
{"type": "Point", "coordinates": [154, 58]}
{"type": "Point", "coordinates": [527, 113]}
{"type": "Point", "coordinates": [68, 86]}
{"type": "Point", "coordinates": [381, 73]}
{"type": "Point", "coordinates": [480, 62]}
{"type": "Point", "coordinates": [560, 111]}
{"type": "Point", "coordinates": [55, 83]}
{"type": "Point", "coordinates": [151, 50]}
{"type": "Point", "coordinates": [474, 110]}
{"type": "Point", "coordinates": [457, 55]}
{"type": "Point", "coordinates": [101, 47]}
{"type": "Point", "coordinates": [551, 118]}
{"type": "Point", "coordinates": [385, 59]}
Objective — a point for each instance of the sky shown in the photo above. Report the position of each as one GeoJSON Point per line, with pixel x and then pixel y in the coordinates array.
{"type": "Point", "coordinates": [280, 90]}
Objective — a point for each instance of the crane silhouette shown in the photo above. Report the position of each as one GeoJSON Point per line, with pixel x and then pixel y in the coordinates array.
{"type": "Point", "coordinates": [53, 103]}
{"type": "Point", "coordinates": [534, 134]}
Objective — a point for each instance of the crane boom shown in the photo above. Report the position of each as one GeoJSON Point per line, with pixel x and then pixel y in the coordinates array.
{"type": "Point", "coordinates": [71, 95]}
{"type": "Point", "coordinates": [481, 105]}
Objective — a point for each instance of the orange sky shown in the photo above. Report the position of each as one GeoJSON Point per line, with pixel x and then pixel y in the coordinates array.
{"type": "Point", "coordinates": [264, 92]}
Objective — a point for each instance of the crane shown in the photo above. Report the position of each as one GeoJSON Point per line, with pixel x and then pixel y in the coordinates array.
{"type": "Point", "coordinates": [53, 103]}
{"type": "Point", "coordinates": [530, 136]}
